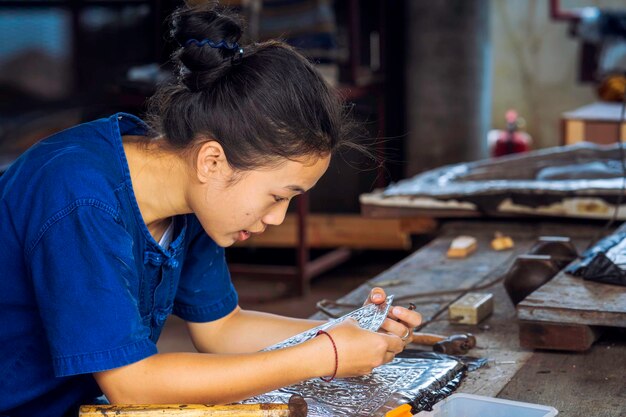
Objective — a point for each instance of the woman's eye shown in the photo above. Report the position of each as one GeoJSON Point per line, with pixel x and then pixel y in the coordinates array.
{"type": "Point", "coordinates": [279, 199]}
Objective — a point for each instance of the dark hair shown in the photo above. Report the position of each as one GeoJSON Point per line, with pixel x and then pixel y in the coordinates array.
{"type": "Point", "coordinates": [268, 105]}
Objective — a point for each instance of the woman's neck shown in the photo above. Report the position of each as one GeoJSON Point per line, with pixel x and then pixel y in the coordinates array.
{"type": "Point", "coordinates": [159, 179]}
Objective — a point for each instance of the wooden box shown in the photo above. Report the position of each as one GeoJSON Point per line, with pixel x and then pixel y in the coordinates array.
{"type": "Point", "coordinates": [596, 122]}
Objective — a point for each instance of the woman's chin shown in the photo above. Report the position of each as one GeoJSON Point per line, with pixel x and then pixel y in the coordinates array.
{"type": "Point", "coordinates": [226, 241]}
{"type": "Point", "coordinates": [223, 240]}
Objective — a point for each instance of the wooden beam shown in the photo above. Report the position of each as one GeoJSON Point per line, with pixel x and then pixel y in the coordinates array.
{"type": "Point", "coordinates": [186, 410]}
{"type": "Point", "coordinates": [345, 230]}
{"type": "Point", "coordinates": [556, 336]}
{"type": "Point", "coordinates": [572, 300]}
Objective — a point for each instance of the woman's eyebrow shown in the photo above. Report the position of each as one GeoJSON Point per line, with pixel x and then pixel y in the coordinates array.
{"type": "Point", "coordinates": [296, 188]}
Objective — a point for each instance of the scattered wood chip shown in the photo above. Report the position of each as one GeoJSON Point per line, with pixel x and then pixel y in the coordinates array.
{"type": "Point", "coordinates": [501, 242]}
{"type": "Point", "coordinates": [462, 246]}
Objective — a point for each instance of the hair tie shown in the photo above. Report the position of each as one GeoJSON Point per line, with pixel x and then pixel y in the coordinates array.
{"type": "Point", "coordinates": [218, 45]}
{"type": "Point", "coordinates": [234, 60]}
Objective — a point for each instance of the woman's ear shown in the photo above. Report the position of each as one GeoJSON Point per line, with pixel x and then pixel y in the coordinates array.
{"type": "Point", "coordinates": [210, 160]}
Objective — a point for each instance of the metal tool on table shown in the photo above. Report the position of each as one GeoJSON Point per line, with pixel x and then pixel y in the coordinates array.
{"type": "Point", "coordinates": [471, 308]}
{"type": "Point", "coordinates": [542, 262]}
{"type": "Point", "coordinates": [457, 344]}
{"type": "Point", "coordinates": [297, 407]}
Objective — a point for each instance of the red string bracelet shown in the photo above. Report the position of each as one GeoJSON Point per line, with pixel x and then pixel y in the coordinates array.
{"type": "Point", "coordinates": [336, 356]}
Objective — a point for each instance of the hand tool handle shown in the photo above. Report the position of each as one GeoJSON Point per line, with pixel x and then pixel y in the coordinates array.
{"type": "Point", "coordinates": [427, 339]}
{"type": "Point", "coordinates": [186, 410]}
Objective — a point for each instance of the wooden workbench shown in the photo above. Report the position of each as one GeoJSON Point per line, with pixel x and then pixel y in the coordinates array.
{"type": "Point", "coordinates": [577, 384]}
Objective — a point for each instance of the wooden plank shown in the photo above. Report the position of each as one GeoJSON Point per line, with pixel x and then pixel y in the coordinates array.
{"type": "Point", "coordinates": [374, 205]}
{"type": "Point", "coordinates": [415, 225]}
{"type": "Point", "coordinates": [568, 299]}
{"type": "Point", "coordinates": [186, 410]}
{"type": "Point", "coordinates": [375, 211]}
{"type": "Point", "coordinates": [574, 207]}
{"type": "Point", "coordinates": [561, 314]}
{"type": "Point", "coordinates": [556, 336]}
{"type": "Point", "coordinates": [345, 230]}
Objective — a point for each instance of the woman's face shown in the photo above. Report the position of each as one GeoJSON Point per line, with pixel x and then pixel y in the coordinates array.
{"type": "Point", "coordinates": [230, 211]}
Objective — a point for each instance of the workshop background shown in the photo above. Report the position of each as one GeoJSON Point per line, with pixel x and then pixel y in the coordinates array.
{"type": "Point", "coordinates": [427, 79]}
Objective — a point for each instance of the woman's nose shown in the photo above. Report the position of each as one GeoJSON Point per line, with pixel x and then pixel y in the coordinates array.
{"type": "Point", "coordinates": [276, 215]}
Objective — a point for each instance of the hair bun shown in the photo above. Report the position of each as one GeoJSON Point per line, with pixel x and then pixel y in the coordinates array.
{"type": "Point", "coordinates": [198, 60]}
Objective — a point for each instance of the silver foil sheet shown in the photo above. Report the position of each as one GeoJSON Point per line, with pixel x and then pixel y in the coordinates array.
{"type": "Point", "coordinates": [369, 317]}
{"type": "Point", "coordinates": [419, 381]}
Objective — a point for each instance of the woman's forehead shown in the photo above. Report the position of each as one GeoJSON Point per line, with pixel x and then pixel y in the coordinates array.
{"type": "Point", "coordinates": [294, 175]}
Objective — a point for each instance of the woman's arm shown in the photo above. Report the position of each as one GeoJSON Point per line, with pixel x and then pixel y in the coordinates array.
{"type": "Point", "coordinates": [212, 379]}
{"type": "Point", "coordinates": [244, 331]}
{"type": "Point", "coordinates": [225, 378]}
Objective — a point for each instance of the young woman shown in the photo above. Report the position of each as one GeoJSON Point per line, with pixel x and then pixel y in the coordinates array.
{"type": "Point", "coordinates": [110, 226]}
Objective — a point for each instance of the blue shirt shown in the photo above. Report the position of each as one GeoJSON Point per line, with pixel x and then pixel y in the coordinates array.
{"type": "Point", "coordinates": [84, 287]}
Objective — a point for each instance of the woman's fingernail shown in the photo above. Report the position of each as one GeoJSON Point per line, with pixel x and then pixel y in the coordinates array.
{"type": "Point", "coordinates": [397, 310]}
{"type": "Point", "coordinates": [377, 297]}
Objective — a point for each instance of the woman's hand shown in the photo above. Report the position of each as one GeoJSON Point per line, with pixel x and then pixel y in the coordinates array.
{"type": "Point", "coordinates": [359, 350]}
{"type": "Point", "coordinates": [400, 321]}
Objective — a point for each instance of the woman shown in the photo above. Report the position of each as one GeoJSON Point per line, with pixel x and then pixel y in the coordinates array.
{"type": "Point", "coordinates": [110, 226]}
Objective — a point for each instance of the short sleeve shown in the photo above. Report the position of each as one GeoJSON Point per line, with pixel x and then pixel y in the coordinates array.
{"type": "Point", "coordinates": [205, 292]}
{"type": "Point", "coordinates": [85, 277]}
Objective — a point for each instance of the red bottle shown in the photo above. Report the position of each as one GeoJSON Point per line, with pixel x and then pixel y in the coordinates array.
{"type": "Point", "coordinates": [511, 140]}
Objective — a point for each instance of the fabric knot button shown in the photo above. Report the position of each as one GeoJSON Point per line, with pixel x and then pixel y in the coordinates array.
{"type": "Point", "coordinates": [153, 258]}
{"type": "Point", "coordinates": [160, 316]}
{"type": "Point", "coordinates": [171, 263]}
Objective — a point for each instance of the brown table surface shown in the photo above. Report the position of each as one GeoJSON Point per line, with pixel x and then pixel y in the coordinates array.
{"type": "Point", "coordinates": [586, 384]}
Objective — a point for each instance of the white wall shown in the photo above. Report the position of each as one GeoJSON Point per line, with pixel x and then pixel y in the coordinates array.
{"type": "Point", "coordinates": [535, 65]}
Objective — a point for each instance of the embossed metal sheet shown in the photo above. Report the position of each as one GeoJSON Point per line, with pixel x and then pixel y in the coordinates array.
{"type": "Point", "coordinates": [605, 261]}
{"type": "Point", "coordinates": [369, 317]}
{"type": "Point", "coordinates": [581, 181]}
{"type": "Point", "coordinates": [419, 381]}
{"type": "Point", "coordinates": [583, 169]}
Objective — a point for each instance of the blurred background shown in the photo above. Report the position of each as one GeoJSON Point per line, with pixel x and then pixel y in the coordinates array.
{"type": "Point", "coordinates": [428, 80]}
{"type": "Point", "coordinates": [63, 61]}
